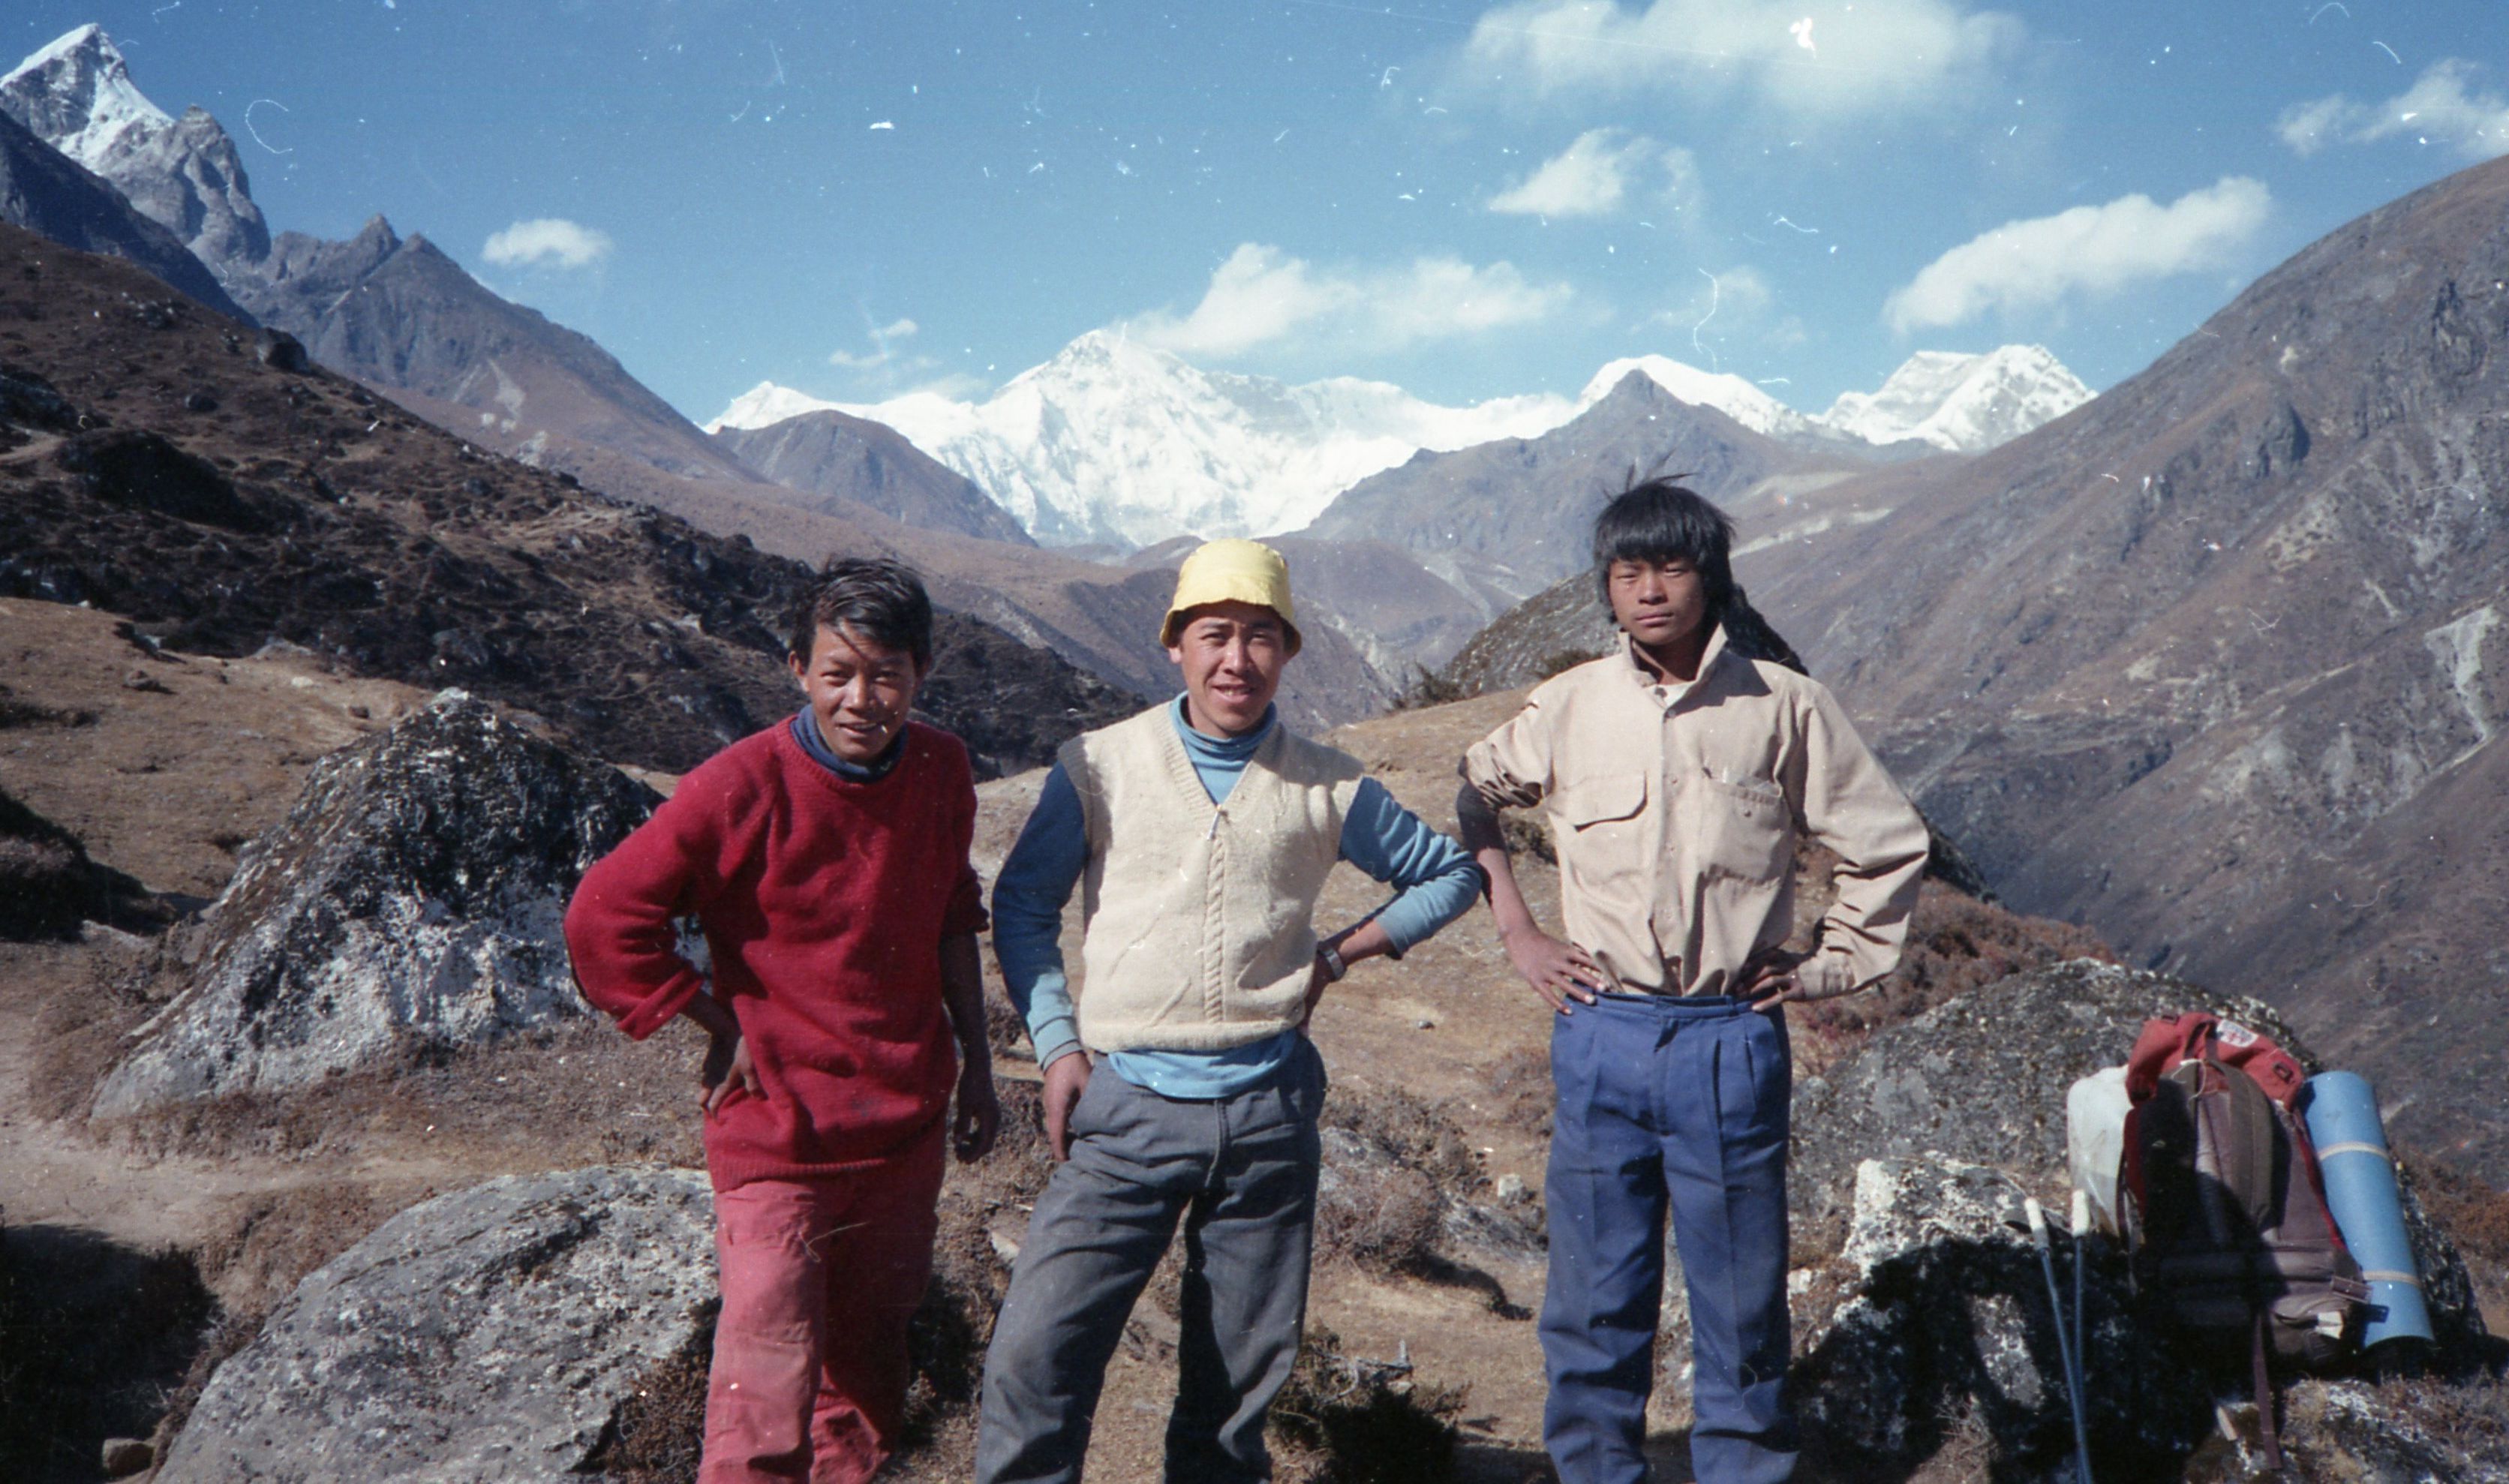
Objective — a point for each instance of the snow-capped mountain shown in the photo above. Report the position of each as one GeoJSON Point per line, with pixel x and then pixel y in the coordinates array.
{"type": "Point", "coordinates": [1964, 403]}
{"type": "Point", "coordinates": [1723, 391]}
{"type": "Point", "coordinates": [1114, 441]}
{"type": "Point", "coordinates": [76, 94]}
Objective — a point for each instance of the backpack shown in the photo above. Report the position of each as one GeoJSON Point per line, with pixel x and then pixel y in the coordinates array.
{"type": "Point", "coordinates": [2225, 1215]}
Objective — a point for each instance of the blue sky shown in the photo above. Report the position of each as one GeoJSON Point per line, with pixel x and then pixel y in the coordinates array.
{"type": "Point", "coordinates": [1470, 200]}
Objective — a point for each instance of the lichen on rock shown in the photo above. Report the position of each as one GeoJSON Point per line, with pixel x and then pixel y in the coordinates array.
{"type": "Point", "coordinates": [413, 896]}
{"type": "Point", "coordinates": [488, 1335]}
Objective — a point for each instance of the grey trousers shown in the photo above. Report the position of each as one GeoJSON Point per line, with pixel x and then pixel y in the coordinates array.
{"type": "Point", "coordinates": [1240, 1173]}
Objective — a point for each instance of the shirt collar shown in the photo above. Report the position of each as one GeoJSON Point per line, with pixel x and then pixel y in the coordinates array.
{"type": "Point", "coordinates": [1645, 677]}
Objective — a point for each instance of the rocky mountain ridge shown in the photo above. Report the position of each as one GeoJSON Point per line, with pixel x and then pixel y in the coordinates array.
{"type": "Point", "coordinates": [1115, 442]}
{"type": "Point", "coordinates": [224, 504]}
{"type": "Point", "coordinates": [838, 463]}
{"type": "Point", "coordinates": [394, 313]}
{"type": "Point", "coordinates": [77, 95]}
{"type": "Point", "coordinates": [1512, 518]}
{"type": "Point", "coordinates": [54, 196]}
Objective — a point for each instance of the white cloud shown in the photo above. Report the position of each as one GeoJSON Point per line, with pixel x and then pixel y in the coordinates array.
{"type": "Point", "coordinates": [882, 351]}
{"type": "Point", "coordinates": [1879, 55]}
{"type": "Point", "coordinates": [1261, 297]}
{"type": "Point", "coordinates": [2093, 249]}
{"type": "Point", "coordinates": [1593, 176]}
{"type": "Point", "coordinates": [2443, 105]}
{"type": "Point", "coordinates": [550, 240]}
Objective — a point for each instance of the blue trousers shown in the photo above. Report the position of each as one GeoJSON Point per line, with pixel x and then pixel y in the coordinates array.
{"type": "Point", "coordinates": [1675, 1105]}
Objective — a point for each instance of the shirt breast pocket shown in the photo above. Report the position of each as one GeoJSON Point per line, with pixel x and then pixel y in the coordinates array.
{"type": "Point", "coordinates": [1599, 820]}
{"type": "Point", "coordinates": [1743, 828]}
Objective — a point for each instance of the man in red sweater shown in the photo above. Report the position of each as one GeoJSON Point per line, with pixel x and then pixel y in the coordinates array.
{"type": "Point", "coordinates": [826, 859]}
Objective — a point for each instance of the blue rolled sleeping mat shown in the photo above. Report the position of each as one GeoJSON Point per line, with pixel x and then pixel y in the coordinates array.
{"type": "Point", "coordinates": [2361, 1191]}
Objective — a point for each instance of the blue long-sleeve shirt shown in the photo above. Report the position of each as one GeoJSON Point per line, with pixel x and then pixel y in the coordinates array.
{"type": "Point", "coordinates": [1435, 882]}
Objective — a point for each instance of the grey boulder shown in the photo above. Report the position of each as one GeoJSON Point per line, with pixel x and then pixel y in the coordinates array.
{"type": "Point", "coordinates": [485, 1337]}
{"type": "Point", "coordinates": [414, 896]}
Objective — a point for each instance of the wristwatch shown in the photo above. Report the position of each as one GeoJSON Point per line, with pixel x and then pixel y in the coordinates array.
{"type": "Point", "coordinates": [1334, 966]}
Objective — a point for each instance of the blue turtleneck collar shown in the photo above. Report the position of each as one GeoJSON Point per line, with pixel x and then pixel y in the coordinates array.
{"type": "Point", "coordinates": [806, 732]}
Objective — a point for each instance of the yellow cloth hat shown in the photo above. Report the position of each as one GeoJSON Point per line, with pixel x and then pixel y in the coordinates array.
{"type": "Point", "coordinates": [1231, 570]}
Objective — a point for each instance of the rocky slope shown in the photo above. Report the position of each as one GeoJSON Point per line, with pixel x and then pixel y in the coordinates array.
{"type": "Point", "coordinates": [2244, 602]}
{"type": "Point", "coordinates": [231, 503]}
{"type": "Point", "coordinates": [1103, 619]}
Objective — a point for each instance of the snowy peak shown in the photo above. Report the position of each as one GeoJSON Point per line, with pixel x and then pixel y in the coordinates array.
{"type": "Point", "coordinates": [77, 95]}
{"type": "Point", "coordinates": [1725, 392]}
{"type": "Point", "coordinates": [764, 405]}
{"type": "Point", "coordinates": [1964, 403]}
{"type": "Point", "coordinates": [1118, 442]}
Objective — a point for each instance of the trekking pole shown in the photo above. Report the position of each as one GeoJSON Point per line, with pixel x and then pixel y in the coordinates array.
{"type": "Point", "coordinates": [2081, 1336]}
{"type": "Point", "coordinates": [2038, 1218]}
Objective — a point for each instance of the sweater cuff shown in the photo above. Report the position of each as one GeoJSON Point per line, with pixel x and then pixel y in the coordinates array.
{"type": "Point", "coordinates": [662, 1007]}
{"type": "Point", "coordinates": [1053, 1038]}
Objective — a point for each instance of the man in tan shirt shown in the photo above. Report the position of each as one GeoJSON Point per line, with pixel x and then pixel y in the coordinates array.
{"type": "Point", "coordinates": [1675, 773]}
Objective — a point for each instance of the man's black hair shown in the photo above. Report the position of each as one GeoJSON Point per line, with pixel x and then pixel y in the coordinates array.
{"type": "Point", "coordinates": [1658, 520]}
{"type": "Point", "coordinates": [880, 599]}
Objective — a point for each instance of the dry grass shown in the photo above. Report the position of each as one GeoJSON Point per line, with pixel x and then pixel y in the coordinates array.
{"type": "Point", "coordinates": [1521, 1086]}
{"type": "Point", "coordinates": [1955, 944]}
{"type": "Point", "coordinates": [1384, 1216]}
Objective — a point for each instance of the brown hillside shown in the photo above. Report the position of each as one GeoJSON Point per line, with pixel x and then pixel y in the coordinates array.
{"type": "Point", "coordinates": [224, 505]}
{"type": "Point", "coordinates": [2211, 664]}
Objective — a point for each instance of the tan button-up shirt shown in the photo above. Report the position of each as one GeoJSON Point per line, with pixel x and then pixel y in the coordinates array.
{"type": "Point", "coordinates": [1673, 812]}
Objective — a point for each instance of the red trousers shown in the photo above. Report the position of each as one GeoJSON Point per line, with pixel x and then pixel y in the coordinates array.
{"type": "Point", "coordinates": [819, 1279]}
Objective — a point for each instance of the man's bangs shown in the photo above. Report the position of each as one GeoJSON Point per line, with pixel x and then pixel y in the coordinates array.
{"type": "Point", "coordinates": [1659, 521]}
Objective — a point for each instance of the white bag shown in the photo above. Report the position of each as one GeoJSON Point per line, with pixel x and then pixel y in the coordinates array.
{"type": "Point", "coordinates": [2095, 1110]}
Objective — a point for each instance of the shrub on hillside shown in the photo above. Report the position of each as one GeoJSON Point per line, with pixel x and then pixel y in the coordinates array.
{"type": "Point", "coordinates": [1344, 1420]}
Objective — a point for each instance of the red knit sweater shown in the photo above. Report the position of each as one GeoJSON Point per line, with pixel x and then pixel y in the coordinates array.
{"type": "Point", "coordinates": [824, 904]}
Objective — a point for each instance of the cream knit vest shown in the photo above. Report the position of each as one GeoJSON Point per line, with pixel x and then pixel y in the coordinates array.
{"type": "Point", "coordinates": [1198, 918]}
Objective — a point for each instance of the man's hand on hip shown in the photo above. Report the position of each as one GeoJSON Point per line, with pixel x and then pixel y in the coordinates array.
{"type": "Point", "coordinates": [1065, 1081]}
{"type": "Point", "coordinates": [727, 1067]}
{"type": "Point", "coordinates": [1560, 972]}
{"type": "Point", "coordinates": [1770, 978]}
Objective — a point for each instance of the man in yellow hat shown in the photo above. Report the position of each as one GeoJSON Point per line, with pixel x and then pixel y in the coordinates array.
{"type": "Point", "coordinates": [1180, 1082]}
